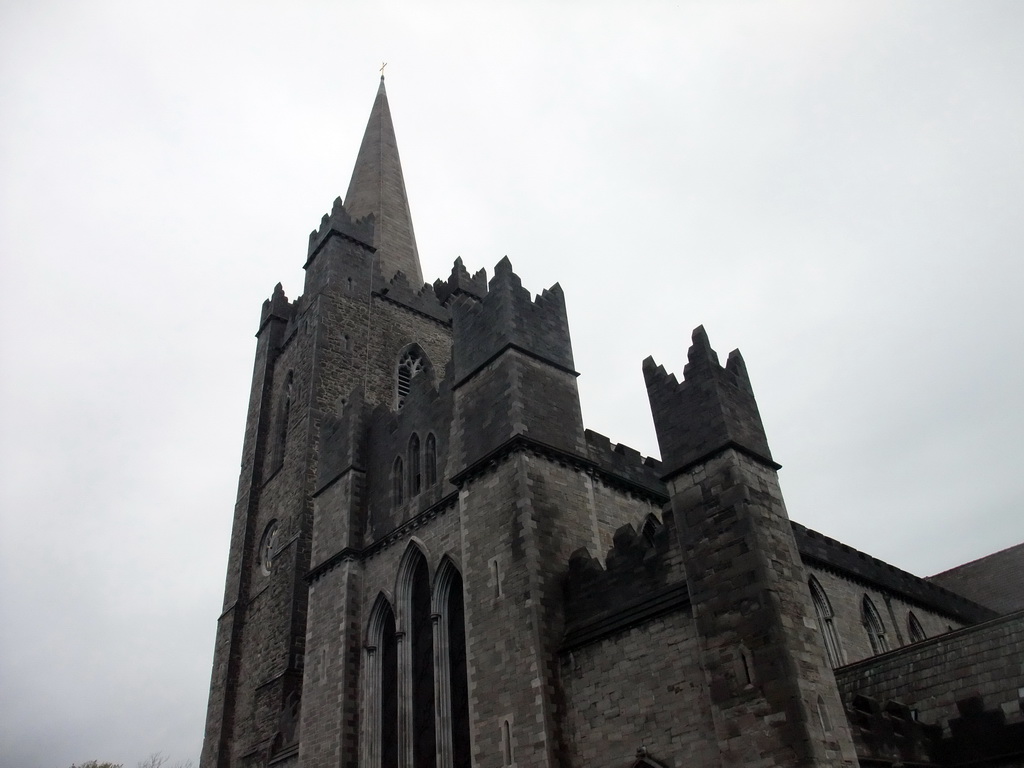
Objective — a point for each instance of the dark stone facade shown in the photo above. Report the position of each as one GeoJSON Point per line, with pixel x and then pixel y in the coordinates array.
{"type": "Point", "coordinates": [433, 562]}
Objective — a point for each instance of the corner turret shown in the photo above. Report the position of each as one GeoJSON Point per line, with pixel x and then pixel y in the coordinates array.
{"type": "Point", "coordinates": [277, 307]}
{"type": "Point", "coordinates": [713, 408]}
{"type": "Point", "coordinates": [763, 659]}
{"type": "Point", "coordinates": [513, 370]}
{"type": "Point", "coordinates": [459, 283]}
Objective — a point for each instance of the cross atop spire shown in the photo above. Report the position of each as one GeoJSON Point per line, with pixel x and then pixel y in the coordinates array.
{"type": "Point", "coordinates": [378, 187]}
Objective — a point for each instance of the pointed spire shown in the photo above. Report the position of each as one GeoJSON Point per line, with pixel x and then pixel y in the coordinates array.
{"type": "Point", "coordinates": [378, 187]}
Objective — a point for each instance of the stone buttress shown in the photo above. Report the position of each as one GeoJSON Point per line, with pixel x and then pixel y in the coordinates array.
{"type": "Point", "coordinates": [518, 447]}
{"type": "Point", "coordinates": [772, 693]}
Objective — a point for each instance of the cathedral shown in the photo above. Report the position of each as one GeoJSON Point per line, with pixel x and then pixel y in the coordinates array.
{"type": "Point", "coordinates": [434, 564]}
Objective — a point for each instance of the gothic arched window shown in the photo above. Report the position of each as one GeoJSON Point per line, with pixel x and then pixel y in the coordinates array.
{"type": "Point", "coordinates": [398, 481]}
{"type": "Point", "coordinates": [430, 459]}
{"type": "Point", "coordinates": [650, 529]}
{"type": "Point", "coordinates": [416, 661]}
{"type": "Point", "coordinates": [916, 630]}
{"type": "Point", "coordinates": [410, 365]}
{"type": "Point", "coordinates": [874, 627]}
{"type": "Point", "coordinates": [381, 746]}
{"type": "Point", "coordinates": [415, 478]}
{"type": "Point", "coordinates": [823, 612]}
{"type": "Point", "coordinates": [450, 664]}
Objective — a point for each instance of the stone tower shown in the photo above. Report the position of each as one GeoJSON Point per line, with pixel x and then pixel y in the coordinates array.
{"type": "Point", "coordinates": [311, 354]}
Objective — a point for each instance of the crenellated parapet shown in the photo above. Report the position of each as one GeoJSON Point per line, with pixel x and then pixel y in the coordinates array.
{"type": "Point", "coordinates": [513, 371]}
{"type": "Point", "coordinates": [277, 307]}
{"type": "Point", "coordinates": [507, 317]}
{"type": "Point", "coordinates": [825, 552]}
{"type": "Point", "coordinates": [626, 466]}
{"type": "Point", "coordinates": [460, 283]}
{"type": "Point", "coordinates": [339, 222]}
{"type": "Point", "coordinates": [422, 299]}
{"type": "Point", "coordinates": [640, 579]}
{"type": "Point", "coordinates": [711, 409]}
{"type": "Point", "coordinates": [890, 732]}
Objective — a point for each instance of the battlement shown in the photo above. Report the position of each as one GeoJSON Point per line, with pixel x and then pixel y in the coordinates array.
{"type": "Point", "coordinates": [506, 316]}
{"type": "Point", "coordinates": [711, 409]}
{"type": "Point", "coordinates": [625, 463]}
{"type": "Point", "coordinates": [641, 578]}
{"type": "Point", "coordinates": [424, 300]}
{"type": "Point", "coordinates": [891, 732]}
{"type": "Point", "coordinates": [277, 307]}
{"type": "Point", "coordinates": [338, 221]}
{"type": "Point", "coordinates": [459, 283]}
{"type": "Point", "coordinates": [824, 551]}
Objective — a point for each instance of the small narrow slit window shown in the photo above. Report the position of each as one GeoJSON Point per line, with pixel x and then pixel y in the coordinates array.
{"type": "Point", "coordinates": [506, 743]}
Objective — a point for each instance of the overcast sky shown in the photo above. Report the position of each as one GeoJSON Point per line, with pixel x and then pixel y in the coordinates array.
{"type": "Point", "coordinates": [835, 188]}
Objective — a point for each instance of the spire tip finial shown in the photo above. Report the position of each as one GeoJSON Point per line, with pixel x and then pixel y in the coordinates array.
{"type": "Point", "coordinates": [382, 65]}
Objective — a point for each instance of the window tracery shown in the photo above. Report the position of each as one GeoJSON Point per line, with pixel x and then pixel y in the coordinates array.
{"type": "Point", "coordinates": [410, 365]}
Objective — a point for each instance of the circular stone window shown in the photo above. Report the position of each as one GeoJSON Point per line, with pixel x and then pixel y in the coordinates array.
{"type": "Point", "coordinates": [268, 546]}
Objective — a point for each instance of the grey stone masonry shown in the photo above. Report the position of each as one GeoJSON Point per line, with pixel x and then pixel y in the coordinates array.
{"type": "Point", "coordinates": [434, 565]}
{"type": "Point", "coordinates": [513, 372]}
{"type": "Point", "coordinates": [772, 695]}
{"type": "Point", "coordinates": [713, 408]}
{"type": "Point", "coordinates": [969, 683]}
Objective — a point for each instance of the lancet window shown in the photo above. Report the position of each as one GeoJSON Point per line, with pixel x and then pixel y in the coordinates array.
{"type": "Point", "coordinates": [874, 627]}
{"type": "Point", "coordinates": [416, 678]}
{"type": "Point", "coordinates": [916, 630]}
{"type": "Point", "coordinates": [826, 623]}
{"type": "Point", "coordinates": [381, 670]}
{"type": "Point", "coordinates": [450, 667]}
{"type": "Point", "coordinates": [650, 529]}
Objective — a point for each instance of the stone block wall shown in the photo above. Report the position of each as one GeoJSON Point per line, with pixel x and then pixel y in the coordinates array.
{"type": "Point", "coordinates": [521, 519]}
{"type": "Point", "coordinates": [986, 660]}
{"type": "Point", "coordinates": [330, 691]}
{"type": "Point", "coordinates": [639, 688]}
